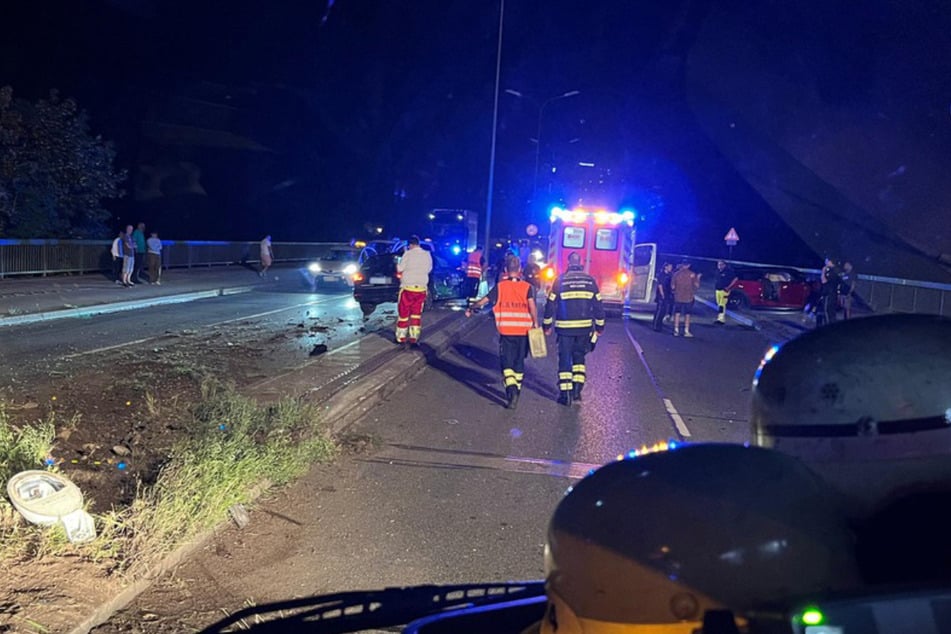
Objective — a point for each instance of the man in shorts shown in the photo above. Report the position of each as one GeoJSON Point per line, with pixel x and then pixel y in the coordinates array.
{"type": "Point", "coordinates": [684, 284]}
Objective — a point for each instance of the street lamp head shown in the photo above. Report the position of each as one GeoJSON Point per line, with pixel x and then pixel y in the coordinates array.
{"type": "Point", "coordinates": [571, 93]}
{"type": "Point", "coordinates": [514, 93]}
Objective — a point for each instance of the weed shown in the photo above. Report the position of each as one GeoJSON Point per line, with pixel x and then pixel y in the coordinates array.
{"type": "Point", "coordinates": [235, 446]}
{"type": "Point", "coordinates": [21, 448]}
{"type": "Point", "coordinates": [24, 447]}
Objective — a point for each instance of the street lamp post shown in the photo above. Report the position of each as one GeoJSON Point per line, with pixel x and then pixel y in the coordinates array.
{"type": "Point", "coordinates": [538, 136]}
{"type": "Point", "coordinates": [495, 125]}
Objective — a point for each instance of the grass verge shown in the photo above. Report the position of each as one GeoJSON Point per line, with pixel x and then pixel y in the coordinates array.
{"type": "Point", "coordinates": [233, 446]}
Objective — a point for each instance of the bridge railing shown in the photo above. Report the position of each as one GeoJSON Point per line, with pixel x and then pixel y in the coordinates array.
{"type": "Point", "coordinates": [53, 257]}
{"type": "Point", "coordinates": [881, 294]}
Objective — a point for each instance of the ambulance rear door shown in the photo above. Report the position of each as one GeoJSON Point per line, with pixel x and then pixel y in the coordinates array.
{"type": "Point", "coordinates": [645, 261]}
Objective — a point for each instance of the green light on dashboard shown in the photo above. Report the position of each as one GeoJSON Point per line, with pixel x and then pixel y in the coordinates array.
{"type": "Point", "coordinates": [812, 616]}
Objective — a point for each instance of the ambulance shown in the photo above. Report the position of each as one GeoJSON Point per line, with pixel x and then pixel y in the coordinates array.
{"type": "Point", "coordinates": [605, 240]}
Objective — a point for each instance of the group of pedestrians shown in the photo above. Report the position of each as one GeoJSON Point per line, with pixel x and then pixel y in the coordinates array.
{"type": "Point", "coordinates": [132, 252]}
{"type": "Point", "coordinates": [675, 295]}
{"type": "Point", "coordinates": [836, 291]}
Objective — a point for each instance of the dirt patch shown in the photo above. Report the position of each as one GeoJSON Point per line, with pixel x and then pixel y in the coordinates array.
{"type": "Point", "coordinates": [117, 414]}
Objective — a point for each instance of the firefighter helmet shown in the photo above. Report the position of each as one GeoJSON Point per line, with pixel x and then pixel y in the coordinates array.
{"type": "Point", "coordinates": [865, 402]}
{"type": "Point", "coordinates": [661, 539]}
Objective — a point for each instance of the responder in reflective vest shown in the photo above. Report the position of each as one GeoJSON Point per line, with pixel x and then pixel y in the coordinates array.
{"type": "Point", "coordinates": [725, 281]}
{"type": "Point", "coordinates": [475, 264]}
{"type": "Point", "coordinates": [515, 314]}
{"type": "Point", "coordinates": [574, 309]}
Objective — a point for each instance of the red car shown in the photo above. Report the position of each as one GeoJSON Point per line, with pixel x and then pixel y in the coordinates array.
{"type": "Point", "coordinates": [771, 288]}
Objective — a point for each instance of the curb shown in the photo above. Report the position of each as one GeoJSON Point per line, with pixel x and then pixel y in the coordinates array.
{"type": "Point", "coordinates": [344, 408]}
{"type": "Point", "coordinates": [100, 309]}
{"type": "Point", "coordinates": [732, 314]}
{"type": "Point", "coordinates": [353, 402]}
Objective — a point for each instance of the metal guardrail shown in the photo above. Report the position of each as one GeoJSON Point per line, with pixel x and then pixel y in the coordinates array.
{"type": "Point", "coordinates": [54, 257]}
{"type": "Point", "coordinates": [880, 294]}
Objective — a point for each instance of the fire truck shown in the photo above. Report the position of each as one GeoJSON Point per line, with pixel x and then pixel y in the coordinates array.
{"type": "Point", "coordinates": [605, 240]}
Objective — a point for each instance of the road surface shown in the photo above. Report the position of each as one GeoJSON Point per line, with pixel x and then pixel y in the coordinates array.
{"type": "Point", "coordinates": [450, 487]}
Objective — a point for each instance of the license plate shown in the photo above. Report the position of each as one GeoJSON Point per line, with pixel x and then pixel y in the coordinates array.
{"type": "Point", "coordinates": [381, 280]}
{"type": "Point", "coordinates": [331, 278]}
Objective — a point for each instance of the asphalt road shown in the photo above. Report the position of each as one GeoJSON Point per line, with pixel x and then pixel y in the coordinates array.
{"type": "Point", "coordinates": [42, 346]}
{"type": "Point", "coordinates": [456, 488]}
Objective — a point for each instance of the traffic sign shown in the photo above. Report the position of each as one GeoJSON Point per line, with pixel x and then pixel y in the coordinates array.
{"type": "Point", "coordinates": [532, 230]}
{"type": "Point", "coordinates": [732, 236]}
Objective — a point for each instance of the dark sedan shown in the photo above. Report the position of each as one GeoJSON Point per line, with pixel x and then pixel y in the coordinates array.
{"type": "Point", "coordinates": [377, 282]}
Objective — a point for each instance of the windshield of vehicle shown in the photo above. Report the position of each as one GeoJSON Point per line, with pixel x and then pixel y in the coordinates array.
{"type": "Point", "coordinates": [342, 255]}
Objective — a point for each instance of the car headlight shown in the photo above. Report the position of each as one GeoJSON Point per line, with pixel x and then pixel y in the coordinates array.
{"type": "Point", "coordinates": [350, 269]}
{"type": "Point", "coordinates": [313, 267]}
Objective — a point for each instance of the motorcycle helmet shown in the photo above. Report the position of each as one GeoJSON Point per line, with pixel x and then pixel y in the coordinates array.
{"type": "Point", "coordinates": [660, 540]}
{"type": "Point", "coordinates": [865, 402]}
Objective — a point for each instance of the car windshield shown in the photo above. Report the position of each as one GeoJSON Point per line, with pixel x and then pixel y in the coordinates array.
{"type": "Point", "coordinates": [342, 256]}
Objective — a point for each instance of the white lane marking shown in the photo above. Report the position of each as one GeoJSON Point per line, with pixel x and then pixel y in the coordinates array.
{"type": "Point", "coordinates": [219, 323]}
{"type": "Point", "coordinates": [112, 347]}
{"type": "Point", "coordinates": [272, 312]}
{"type": "Point", "coordinates": [675, 416]}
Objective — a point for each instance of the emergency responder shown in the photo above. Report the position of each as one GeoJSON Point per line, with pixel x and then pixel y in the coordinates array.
{"type": "Point", "coordinates": [662, 541]}
{"type": "Point", "coordinates": [726, 280]}
{"type": "Point", "coordinates": [663, 295]}
{"type": "Point", "coordinates": [414, 268]}
{"type": "Point", "coordinates": [574, 309]}
{"type": "Point", "coordinates": [515, 314]}
{"type": "Point", "coordinates": [475, 266]}
{"type": "Point", "coordinates": [866, 403]}
{"type": "Point", "coordinates": [829, 303]}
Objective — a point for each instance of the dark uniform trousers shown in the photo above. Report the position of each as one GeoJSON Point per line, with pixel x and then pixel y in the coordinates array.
{"type": "Point", "coordinates": [571, 352]}
{"type": "Point", "coordinates": [512, 352]}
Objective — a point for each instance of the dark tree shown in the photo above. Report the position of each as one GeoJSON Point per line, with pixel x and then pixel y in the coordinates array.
{"type": "Point", "coordinates": [54, 173]}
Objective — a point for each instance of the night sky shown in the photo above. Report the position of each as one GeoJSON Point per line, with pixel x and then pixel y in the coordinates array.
{"type": "Point", "coordinates": [816, 128]}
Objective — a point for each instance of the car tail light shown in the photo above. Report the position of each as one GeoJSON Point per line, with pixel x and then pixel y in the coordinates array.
{"type": "Point", "coordinates": [623, 278]}
{"type": "Point", "coordinates": [357, 277]}
{"type": "Point", "coordinates": [548, 273]}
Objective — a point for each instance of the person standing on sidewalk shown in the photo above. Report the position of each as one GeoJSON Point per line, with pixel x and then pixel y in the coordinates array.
{"type": "Point", "coordinates": [574, 309]}
{"type": "Point", "coordinates": [846, 289]}
{"type": "Point", "coordinates": [138, 236]}
{"type": "Point", "coordinates": [128, 257]}
{"type": "Point", "coordinates": [515, 313]}
{"type": "Point", "coordinates": [154, 246]}
{"type": "Point", "coordinates": [267, 255]}
{"type": "Point", "coordinates": [663, 296]}
{"type": "Point", "coordinates": [685, 284]}
{"type": "Point", "coordinates": [829, 303]}
{"type": "Point", "coordinates": [116, 252]}
{"type": "Point", "coordinates": [414, 268]}
{"type": "Point", "coordinates": [726, 280]}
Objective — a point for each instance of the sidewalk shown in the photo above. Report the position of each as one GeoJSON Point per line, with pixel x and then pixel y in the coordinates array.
{"type": "Point", "coordinates": [26, 300]}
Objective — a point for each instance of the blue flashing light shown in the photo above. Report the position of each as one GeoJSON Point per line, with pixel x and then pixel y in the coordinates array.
{"type": "Point", "coordinates": [456, 249]}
